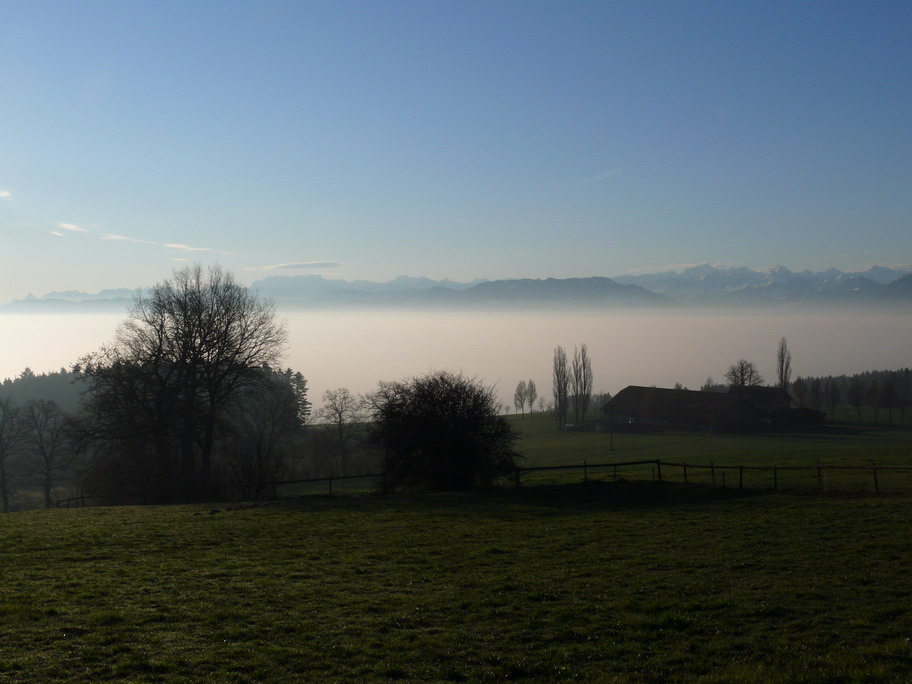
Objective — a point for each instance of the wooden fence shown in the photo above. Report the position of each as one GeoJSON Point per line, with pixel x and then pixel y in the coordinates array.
{"type": "Point", "coordinates": [860, 477]}
{"type": "Point", "coordinates": [870, 477]}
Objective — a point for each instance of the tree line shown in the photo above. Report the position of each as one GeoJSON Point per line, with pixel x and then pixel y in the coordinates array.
{"type": "Point", "coordinates": [188, 400]}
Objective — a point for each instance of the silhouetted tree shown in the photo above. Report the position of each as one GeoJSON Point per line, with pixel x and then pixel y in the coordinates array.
{"type": "Point", "coordinates": [888, 394]}
{"type": "Point", "coordinates": [259, 434]}
{"type": "Point", "coordinates": [711, 385]}
{"type": "Point", "coordinates": [12, 437]}
{"type": "Point", "coordinates": [49, 454]}
{"type": "Point", "coordinates": [519, 397]}
{"type": "Point", "coordinates": [188, 349]}
{"type": "Point", "coordinates": [531, 395]}
{"type": "Point", "coordinates": [341, 409]}
{"type": "Point", "coordinates": [581, 382]}
{"type": "Point", "coordinates": [783, 365]}
{"type": "Point", "coordinates": [873, 394]}
{"type": "Point", "coordinates": [833, 395]}
{"type": "Point", "coordinates": [743, 374]}
{"type": "Point", "coordinates": [856, 394]}
{"type": "Point", "coordinates": [561, 385]}
{"type": "Point", "coordinates": [442, 431]}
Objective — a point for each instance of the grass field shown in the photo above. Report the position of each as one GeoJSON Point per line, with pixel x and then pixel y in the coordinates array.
{"type": "Point", "coordinates": [597, 582]}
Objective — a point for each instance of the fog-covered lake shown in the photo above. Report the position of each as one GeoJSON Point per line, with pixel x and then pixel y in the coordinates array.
{"type": "Point", "coordinates": [356, 349]}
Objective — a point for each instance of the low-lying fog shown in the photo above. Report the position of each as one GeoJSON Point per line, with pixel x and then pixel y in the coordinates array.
{"type": "Point", "coordinates": [356, 349]}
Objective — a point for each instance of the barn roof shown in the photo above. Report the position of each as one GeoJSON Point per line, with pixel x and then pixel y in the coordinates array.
{"type": "Point", "coordinates": [681, 406]}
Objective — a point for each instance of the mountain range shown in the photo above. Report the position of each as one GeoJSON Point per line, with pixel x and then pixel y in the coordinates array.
{"type": "Point", "coordinates": [698, 286]}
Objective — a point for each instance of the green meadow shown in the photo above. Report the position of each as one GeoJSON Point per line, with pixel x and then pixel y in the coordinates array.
{"type": "Point", "coordinates": [590, 581]}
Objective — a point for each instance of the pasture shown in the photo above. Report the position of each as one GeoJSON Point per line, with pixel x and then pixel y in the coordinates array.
{"type": "Point", "coordinates": [591, 582]}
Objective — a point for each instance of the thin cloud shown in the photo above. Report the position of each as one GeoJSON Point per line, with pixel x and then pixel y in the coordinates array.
{"type": "Point", "coordinates": [605, 175]}
{"type": "Point", "coordinates": [5, 194]}
{"type": "Point", "coordinates": [55, 232]}
{"type": "Point", "coordinates": [302, 266]}
{"type": "Point", "coordinates": [111, 236]}
{"type": "Point", "coordinates": [72, 227]}
{"type": "Point", "coordinates": [185, 248]}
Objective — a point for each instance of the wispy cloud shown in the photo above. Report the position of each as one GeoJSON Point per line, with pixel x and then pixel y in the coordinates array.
{"type": "Point", "coordinates": [604, 175]}
{"type": "Point", "coordinates": [5, 194]}
{"type": "Point", "coordinates": [56, 232]}
{"type": "Point", "coordinates": [72, 227]}
{"type": "Point", "coordinates": [185, 248]}
{"type": "Point", "coordinates": [111, 236]}
{"type": "Point", "coordinates": [302, 266]}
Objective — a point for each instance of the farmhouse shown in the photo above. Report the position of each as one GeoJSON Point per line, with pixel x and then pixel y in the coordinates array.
{"type": "Point", "coordinates": [739, 409]}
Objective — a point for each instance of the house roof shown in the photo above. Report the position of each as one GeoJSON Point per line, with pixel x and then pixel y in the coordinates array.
{"type": "Point", "coordinates": [682, 406]}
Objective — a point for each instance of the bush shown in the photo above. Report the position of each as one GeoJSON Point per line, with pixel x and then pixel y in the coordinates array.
{"type": "Point", "coordinates": [441, 431]}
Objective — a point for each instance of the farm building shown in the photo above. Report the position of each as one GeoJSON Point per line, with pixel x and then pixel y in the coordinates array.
{"type": "Point", "coordinates": [741, 409]}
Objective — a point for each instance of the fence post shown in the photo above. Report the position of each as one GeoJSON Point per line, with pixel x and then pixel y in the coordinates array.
{"type": "Point", "coordinates": [585, 471]}
{"type": "Point", "coordinates": [712, 467]}
{"type": "Point", "coordinates": [659, 468]}
{"type": "Point", "coordinates": [517, 476]}
{"type": "Point", "coordinates": [741, 477]}
{"type": "Point", "coordinates": [874, 470]}
{"type": "Point", "coordinates": [723, 479]}
{"type": "Point", "coordinates": [819, 474]}
{"type": "Point", "coordinates": [330, 480]}
{"type": "Point", "coordinates": [614, 476]}
{"type": "Point", "coordinates": [775, 478]}
{"type": "Point", "coordinates": [685, 473]}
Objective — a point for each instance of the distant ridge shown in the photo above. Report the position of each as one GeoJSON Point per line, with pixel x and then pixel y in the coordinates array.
{"type": "Point", "coordinates": [707, 285]}
{"type": "Point", "coordinates": [703, 285]}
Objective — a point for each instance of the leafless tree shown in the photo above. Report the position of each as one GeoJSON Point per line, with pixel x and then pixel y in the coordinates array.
{"type": "Point", "coordinates": [259, 436]}
{"type": "Point", "coordinates": [561, 385]}
{"type": "Point", "coordinates": [743, 374]}
{"type": "Point", "coordinates": [815, 394]}
{"type": "Point", "coordinates": [342, 410]}
{"type": "Point", "coordinates": [46, 441]}
{"type": "Point", "coordinates": [856, 394]}
{"type": "Point", "coordinates": [519, 397]}
{"type": "Point", "coordinates": [888, 394]}
{"type": "Point", "coordinates": [581, 382]}
{"type": "Point", "coordinates": [833, 396]}
{"type": "Point", "coordinates": [12, 437]}
{"type": "Point", "coordinates": [531, 395]}
{"type": "Point", "coordinates": [783, 365]}
{"type": "Point", "coordinates": [188, 348]}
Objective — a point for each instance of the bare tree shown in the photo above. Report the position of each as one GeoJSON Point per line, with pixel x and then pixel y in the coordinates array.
{"type": "Point", "coordinates": [531, 395]}
{"type": "Point", "coordinates": [833, 395]}
{"type": "Point", "coordinates": [262, 424]}
{"type": "Point", "coordinates": [519, 397]}
{"type": "Point", "coordinates": [815, 394]}
{"type": "Point", "coordinates": [12, 436]}
{"type": "Point", "coordinates": [188, 348]}
{"type": "Point", "coordinates": [46, 439]}
{"type": "Point", "coordinates": [581, 382]}
{"type": "Point", "coordinates": [783, 365]}
{"type": "Point", "coordinates": [561, 385]}
{"type": "Point", "coordinates": [341, 409]}
{"type": "Point", "coordinates": [888, 394]}
{"type": "Point", "coordinates": [856, 394]}
{"type": "Point", "coordinates": [743, 374]}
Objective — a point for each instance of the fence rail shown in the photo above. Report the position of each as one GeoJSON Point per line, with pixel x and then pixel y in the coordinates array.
{"type": "Point", "coordinates": [659, 470]}
{"type": "Point", "coordinates": [717, 473]}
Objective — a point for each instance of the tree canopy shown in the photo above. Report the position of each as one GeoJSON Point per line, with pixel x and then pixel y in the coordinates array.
{"type": "Point", "coordinates": [441, 431]}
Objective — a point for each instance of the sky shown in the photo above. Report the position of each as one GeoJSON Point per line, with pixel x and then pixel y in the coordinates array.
{"type": "Point", "coordinates": [455, 140]}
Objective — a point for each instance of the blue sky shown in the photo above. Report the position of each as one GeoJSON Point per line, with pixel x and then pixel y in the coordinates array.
{"type": "Point", "coordinates": [449, 139]}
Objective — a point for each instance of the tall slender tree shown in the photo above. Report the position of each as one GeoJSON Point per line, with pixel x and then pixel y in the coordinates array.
{"type": "Point", "coordinates": [783, 365]}
{"type": "Point", "coordinates": [531, 395]}
{"type": "Point", "coordinates": [519, 397]}
{"type": "Point", "coordinates": [581, 382]}
{"type": "Point", "coordinates": [561, 385]}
